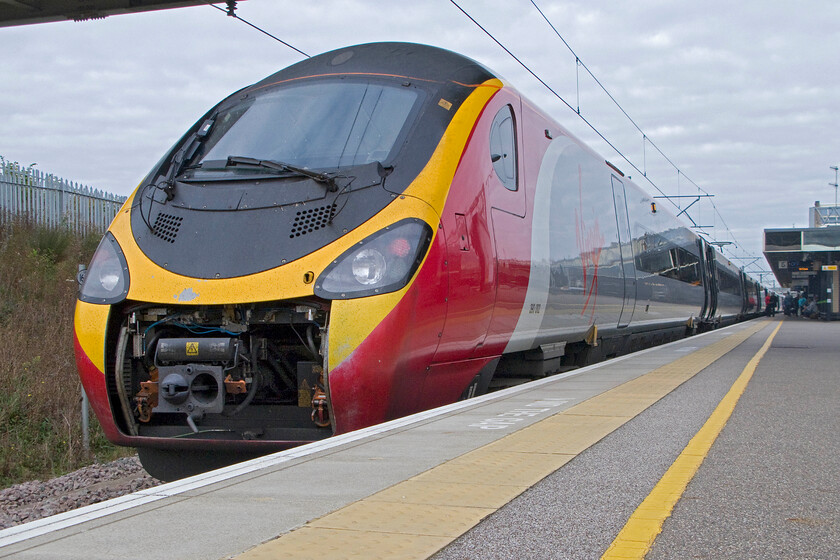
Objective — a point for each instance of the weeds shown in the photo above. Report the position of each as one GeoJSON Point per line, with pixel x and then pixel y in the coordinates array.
{"type": "Point", "coordinates": [40, 392]}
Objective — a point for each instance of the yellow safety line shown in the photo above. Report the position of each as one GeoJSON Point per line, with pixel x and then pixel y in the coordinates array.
{"type": "Point", "coordinates": [643, 526]}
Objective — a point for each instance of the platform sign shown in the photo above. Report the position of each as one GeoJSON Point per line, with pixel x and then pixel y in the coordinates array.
{"type": "Point", "coordinates": [829, 267]}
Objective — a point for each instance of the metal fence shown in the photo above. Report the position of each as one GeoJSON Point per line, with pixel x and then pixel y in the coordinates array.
{"type": "Point", "coordinates": [54, 202]}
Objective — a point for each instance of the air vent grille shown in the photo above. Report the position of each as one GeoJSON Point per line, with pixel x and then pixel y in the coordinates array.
{"type": "Point", "coordinates": [166, 227]}
{"type": "Point", "coordinates": [311, 220]}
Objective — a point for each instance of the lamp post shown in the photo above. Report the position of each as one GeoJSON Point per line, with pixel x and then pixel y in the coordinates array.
{"type": "Point", "coordinates": [834, 184]}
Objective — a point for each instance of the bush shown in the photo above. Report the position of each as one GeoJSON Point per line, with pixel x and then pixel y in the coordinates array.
{"type": "Point", "coordinates": [40, 391]}
{"type": "Point", "coordinates": [52, 244]}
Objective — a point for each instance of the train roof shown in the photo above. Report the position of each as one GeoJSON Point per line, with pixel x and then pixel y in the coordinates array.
{"type": "Point", "coordinates": [390, 59]}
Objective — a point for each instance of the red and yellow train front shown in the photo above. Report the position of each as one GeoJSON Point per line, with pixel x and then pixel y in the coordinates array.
{"type": "Point", "coordinates": [256, 293]}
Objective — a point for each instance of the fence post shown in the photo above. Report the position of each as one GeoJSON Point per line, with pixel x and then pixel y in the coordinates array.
{"type": "Point", "coordinates": [85, 422]}
{"type": "Point", "coordinates": [62, 209]}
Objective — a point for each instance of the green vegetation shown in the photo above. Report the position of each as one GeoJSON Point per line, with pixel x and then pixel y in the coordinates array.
{"type": "Point", "coordinates": [40, 392]}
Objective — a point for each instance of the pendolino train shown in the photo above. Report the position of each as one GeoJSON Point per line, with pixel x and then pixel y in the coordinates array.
{"type": "Point", "coordinates": [369, 233]}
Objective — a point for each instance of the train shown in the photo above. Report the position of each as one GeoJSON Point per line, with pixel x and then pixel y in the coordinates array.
{"type": "Point", "coordinates": [369, 233]}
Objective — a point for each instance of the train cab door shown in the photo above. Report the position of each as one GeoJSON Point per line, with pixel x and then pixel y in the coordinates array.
{"type": "Point", "coordinates": [628, 268]}
{"type": "Point", "coordinates": [505, 191]}
{"type": "Point", "coordinates": [483, 230]}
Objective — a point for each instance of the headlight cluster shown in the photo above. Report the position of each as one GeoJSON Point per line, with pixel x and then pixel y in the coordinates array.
{"type": "Point", "coordinates": [106, 280]}
{"type": "Point", "coordinates": [382, 263]}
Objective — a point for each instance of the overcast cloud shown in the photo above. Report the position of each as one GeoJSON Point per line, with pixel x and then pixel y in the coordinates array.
{"type": "Point", "coordinates": [741, 96]}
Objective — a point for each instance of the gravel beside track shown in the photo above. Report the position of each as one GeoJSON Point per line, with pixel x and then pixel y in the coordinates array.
{"type": "Point", "coordinates": [36, 499]}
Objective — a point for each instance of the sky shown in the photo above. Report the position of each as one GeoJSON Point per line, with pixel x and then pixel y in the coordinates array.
{"type": "Point", "coordinates": [741, 97]}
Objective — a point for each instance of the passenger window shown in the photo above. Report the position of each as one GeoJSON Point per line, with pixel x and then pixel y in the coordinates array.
{"type": "Point", "coordinates": [503, 147]}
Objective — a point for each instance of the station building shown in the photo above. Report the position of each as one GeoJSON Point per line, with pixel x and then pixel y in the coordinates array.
{"type": "Point", "coordinates": [808, 259]}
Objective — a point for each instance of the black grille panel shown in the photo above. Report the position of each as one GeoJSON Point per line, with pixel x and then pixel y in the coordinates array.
{"type": "Point", "coordinates": [311, 220]}
{"type": "Point", "coordinates": [166, 227]}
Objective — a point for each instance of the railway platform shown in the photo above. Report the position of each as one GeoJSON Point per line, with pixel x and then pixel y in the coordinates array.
{"type": "Point", "coordinates": [723, 445]}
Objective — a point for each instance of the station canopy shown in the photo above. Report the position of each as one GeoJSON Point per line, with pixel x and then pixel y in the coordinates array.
{"type": "Point", "coordinates": [21, 12]}
{"type": "Point", "coordinates": [794, 255]}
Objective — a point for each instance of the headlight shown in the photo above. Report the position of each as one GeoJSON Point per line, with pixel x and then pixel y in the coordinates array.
{"type": "Point", "coordinates": [382, 263]}
{"type": "Point", "coordinates": [369, 267]}
{"type": "Point", "coordinates": [106, 280]}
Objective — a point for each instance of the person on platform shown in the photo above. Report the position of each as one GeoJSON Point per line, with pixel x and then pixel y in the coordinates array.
{"type": "Point", "coordinates": [774, 304]}
{"type": "Point", "coordinates": [787, 304]}
{"type": "Point", "coordinates": [811, 310]}
{"type": "Point", "coordinates": [800, 307]}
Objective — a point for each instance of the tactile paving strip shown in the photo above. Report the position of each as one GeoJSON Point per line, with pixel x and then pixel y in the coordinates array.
{"type": "Point", "coordinates": [418, 517]}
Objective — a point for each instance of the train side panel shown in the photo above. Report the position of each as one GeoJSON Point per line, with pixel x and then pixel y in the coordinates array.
{"type": "Point", "coordinates": [668, 264]}
{"type": "Point", "coordinates": [601, 254]}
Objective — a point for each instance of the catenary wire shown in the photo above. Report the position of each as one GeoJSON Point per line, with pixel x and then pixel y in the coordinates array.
{"type": "Point", "coordinates": [645, 137]}
{"type": "Point", "coordinates": [617, 104]}
{"type": "Point", "coordinates": [557, 95]}
{"type": "Point", "coordinates": [232, 14]}
{"type": "Point", "coordinates": [594, 129]}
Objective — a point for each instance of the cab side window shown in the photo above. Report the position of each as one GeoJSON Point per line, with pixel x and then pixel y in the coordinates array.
{"type": "Point", "coordinates": [503, 147]}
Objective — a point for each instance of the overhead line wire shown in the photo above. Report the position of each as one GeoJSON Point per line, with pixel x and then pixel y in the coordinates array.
{"type": "Point", "coordinates": [560, 97]}
{"type": "Point", "coordinates": [589, 124]}
{"type": "Point", "coordinates": [230, 12]}
{"type": "Point", "coordinates": [617, 104]}
{"type": "Point", "coordinates": [644, 135]}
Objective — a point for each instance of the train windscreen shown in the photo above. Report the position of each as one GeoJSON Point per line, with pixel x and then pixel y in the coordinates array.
{"type": "Point", "coordinates": [324, 124]}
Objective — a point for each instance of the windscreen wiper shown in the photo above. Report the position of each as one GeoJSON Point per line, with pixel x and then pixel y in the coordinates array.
{"type": "Point", "coordinates": [176, 165]}
{"type": "Point", "coordinates": [323, 178]}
